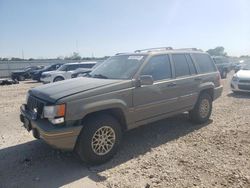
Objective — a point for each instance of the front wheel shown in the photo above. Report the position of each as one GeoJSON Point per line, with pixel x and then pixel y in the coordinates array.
{"type": "Point", "coordinates": [99, 139]}
{"type": "Point", "coordinates": [202, 110]}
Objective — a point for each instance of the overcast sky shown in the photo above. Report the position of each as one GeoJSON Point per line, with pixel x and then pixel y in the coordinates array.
{"type": "Point", "coordinates": [52, 28]}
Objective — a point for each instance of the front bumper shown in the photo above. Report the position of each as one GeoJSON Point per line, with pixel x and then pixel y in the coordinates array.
{"type": "Point", "coordinates": [236, 86]}
{"type": "Point", "coordinates": [218, 92]}
{"type": "Point", "coordinates": [58, 137]}
{"type": "Point", "coordinates": [46, 80]}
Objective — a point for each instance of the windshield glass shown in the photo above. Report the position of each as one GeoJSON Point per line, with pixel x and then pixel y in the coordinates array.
{"type": "Point", "coordinates": [62, 68]}
{"type": "Point", "coordinates": [118, 67]}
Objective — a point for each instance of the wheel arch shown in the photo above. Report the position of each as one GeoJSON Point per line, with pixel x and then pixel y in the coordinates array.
{"type": "Point", "coordinates": [58, 76]}
{"type": "Point", "coordinates": [115, 112]}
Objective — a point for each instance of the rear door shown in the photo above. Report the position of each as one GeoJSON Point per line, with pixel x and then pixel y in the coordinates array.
{"type": "Point", "coordinates": [186, 80]}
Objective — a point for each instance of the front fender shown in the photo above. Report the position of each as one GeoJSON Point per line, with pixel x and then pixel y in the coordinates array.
{"type": "Point", "coordinates": [79, 111]}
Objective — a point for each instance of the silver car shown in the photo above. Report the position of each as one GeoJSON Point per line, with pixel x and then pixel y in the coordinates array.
{"type": "Point", "coordinates": [241, 80]}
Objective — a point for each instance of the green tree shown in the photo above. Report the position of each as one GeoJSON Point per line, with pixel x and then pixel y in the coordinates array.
{"type": "Point", "coordinates": [218, 51]}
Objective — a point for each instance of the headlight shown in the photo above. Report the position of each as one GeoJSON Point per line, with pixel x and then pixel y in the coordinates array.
{"type": "Point", "coordinates": [55, 114]}
{"type": "Point", "coordinates": [235, 78]}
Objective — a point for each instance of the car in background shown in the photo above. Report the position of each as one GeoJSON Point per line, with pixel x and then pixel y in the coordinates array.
{"type": "Point", "coordinates": [240, 65]}
{"type": "Point", "coordinates": [25, 73]}
{"type": "Point", "coordinates": [65, 71]}
{"type": "Point", "coordinates": [241, 80]}
{"type": "Point", "coordinates": [223, 65]}
{"type": "Point", "coordinates": [83, 71]}
{"type": "Point", "coordinates": [37, 74]}
{"type": "Point", "coordinates": [80, 71]}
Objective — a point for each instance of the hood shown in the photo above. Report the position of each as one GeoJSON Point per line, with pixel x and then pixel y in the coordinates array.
{"type": "Point", "coordinates": [55, 91]}
{"type": "Point", "coordinates": [243, 74]}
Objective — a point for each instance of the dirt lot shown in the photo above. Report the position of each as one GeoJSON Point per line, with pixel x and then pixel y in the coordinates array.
{"type": "Point", "coordinates": [169, 153]}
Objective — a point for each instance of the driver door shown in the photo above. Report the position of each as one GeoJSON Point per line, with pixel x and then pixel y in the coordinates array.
{"type": "Point", "coordinates": [160, 98]}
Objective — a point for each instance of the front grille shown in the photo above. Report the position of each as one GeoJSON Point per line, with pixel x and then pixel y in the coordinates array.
{"type": "Point", "coordinates": [244, 87]}
{"type": "Point", "coordinates": [35, 105]}
{"type": "Point", "coordinates": [244, 81]}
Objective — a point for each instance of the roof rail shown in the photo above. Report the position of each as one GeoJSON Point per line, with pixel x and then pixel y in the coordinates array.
{"type": "Point", "coordinates": [121, 53]}
{"type": "Point", "coordinates": [154, 49]}
{"type": "Point", "coordinates": [190, 49]}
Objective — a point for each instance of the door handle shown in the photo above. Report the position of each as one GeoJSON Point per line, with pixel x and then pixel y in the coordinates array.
{"type": "Point", "coordinates": [172, 84]}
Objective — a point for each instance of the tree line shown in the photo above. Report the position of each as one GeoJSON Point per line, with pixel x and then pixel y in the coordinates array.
{"type": "Point", "coordinates": [218, 51]}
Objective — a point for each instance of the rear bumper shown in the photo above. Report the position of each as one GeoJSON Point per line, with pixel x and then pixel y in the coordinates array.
{"type": "Point", "coordinates": [218, 92]}
{"type": "Point", "coordinates": [57, 136]}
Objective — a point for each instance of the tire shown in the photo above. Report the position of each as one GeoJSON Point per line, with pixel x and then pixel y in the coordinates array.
{"type": "Point", "coordinates": [236, 92]}
{"type": "Point", "coordinates": [199, 115]}
{"type": "Point", "coordinates": [21, 78]}
{"type": "Point", "coordinates": [89, 149]}
{"type": "Point", "coordinates": [57, 79]}
{"type": "Point", "coordinates": [224, 74]}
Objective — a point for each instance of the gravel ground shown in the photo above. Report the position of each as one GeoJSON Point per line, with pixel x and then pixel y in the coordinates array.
{"type": "Point", "coordinates": [169, 153]}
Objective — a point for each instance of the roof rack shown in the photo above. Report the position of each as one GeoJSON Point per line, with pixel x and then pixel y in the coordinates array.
{"type": "Point", "coordinates": [121, 53]}
{"type": "Point", "coordinates": [154, 49]}
{"type": "Point", "coordinates": [190, 49]}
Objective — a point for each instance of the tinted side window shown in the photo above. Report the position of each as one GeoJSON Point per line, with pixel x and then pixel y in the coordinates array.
{"type": "Point", "coordinates": [204, 62]}
{"type": "Point", "coordinates": [72, 67]}
{"type": "Point", "coordinates": [158, 67]}
{"type": "Point", "coordinates": [181, 65]}
{"type": "Point", "coordinates": [191, 65]}
{"type": "Point", "coordinates": [87, 65]}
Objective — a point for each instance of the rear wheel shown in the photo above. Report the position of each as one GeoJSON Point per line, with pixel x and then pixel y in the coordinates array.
{"type": "Point", "coordinates": [99, 139]}
{"type": "Point", "coordinates": [57, 79]}
{"type": "Point", "coordinates": [21, 78]}
{"type": "Point", "coordinates": [202, 110]}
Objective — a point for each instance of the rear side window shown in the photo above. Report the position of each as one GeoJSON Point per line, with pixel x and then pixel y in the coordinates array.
{"type": "Point", "coordinates": [204, 62]}
{"type": "Point", "coordinates": [72, 67]}
{"type": "Point", "coordinates": [181, 65]}
{"type": "Point", "coordinates": [158, 67]}
{"type": "Point", "coordinates": [191, 64]}
{"type": "Point", "coordinates": [90, 65]}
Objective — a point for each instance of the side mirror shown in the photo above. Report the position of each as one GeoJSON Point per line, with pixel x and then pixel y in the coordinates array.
{"type": "Point", "coordinates": [146, 80]}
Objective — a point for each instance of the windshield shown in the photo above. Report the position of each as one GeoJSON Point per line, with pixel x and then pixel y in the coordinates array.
{"type": "Point", "coordinates": [62, 68]}
{"type": "Point", "coordinates": [118, 67]}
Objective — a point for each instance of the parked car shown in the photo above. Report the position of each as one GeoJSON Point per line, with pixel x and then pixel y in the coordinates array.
{"type": "Point", "coordinates": [37, 74]}
{"type": "Point", "coordinates": [90, 114]}
{"type": "Point", "coordinates": [241, 80]}
{"type": "Point", "coordinates": [223, 65]}
{"type": "Point", "coordinates": [240, 65]}
{"type": "Point", "coordinates": [80, 71]}
{"type": "Point", "coordinates": [84, 71]}
{"type": "Point", "coordinates": [64, 72]}
{"type": "Point", "coordinates": [25, 73]}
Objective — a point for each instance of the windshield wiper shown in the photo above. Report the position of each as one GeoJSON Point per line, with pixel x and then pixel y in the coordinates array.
{"type": "Point", "coordinates": [99, 76]}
